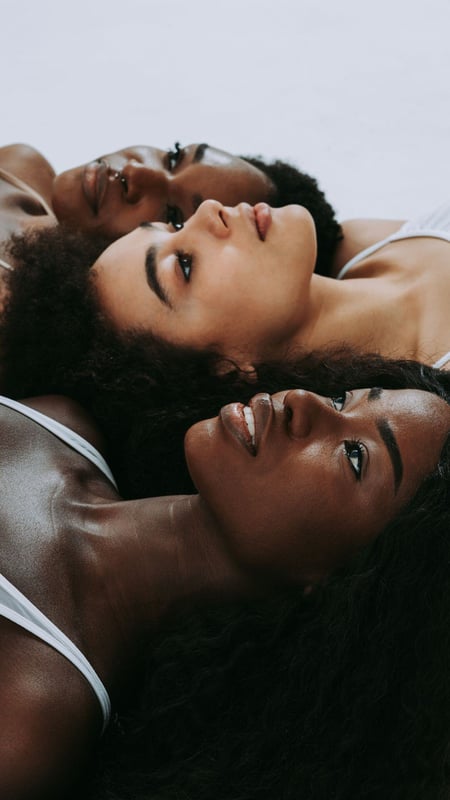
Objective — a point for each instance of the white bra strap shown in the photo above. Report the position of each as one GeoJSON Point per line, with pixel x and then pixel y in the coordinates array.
{"type": "Point", "coordinates": [18, 609]}
{"type": "Point", "coordinates": [64, 433]}
{"type": "Point", "coordinates": [5, 265]}
{"type": "Point", "coordinates": [9, 177]}
{"type": "Point", "coordinates": [442, 361]}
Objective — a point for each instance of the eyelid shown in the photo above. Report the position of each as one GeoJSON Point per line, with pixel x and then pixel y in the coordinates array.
{"type": "Point", "coordinates": [346, 396]}
{"type": "Point", "coordinates": [352, 446]}
{"type": "Point", "coordinates": [185, 262]}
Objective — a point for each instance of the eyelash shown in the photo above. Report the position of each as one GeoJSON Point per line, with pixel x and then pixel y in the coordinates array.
{"type": "Point", "coordinates": [354, 450]}
{"type": "Point", "coordinates": [174, 156]}
{"type": "Point", "coordinates": [174, 217]}
{"type": "Point", "coordinates": [337, 398]}
{"type": "Point", "coordinates": [185, 262]}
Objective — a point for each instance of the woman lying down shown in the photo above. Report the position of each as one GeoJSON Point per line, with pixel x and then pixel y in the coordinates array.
{"type": "Point", "coordinates": [282, 632]}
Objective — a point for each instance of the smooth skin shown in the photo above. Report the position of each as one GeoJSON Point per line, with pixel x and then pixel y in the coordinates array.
{"type": "Point", "coordinates": [146, 183]}
{"type": "Point", "coordinates": [106, 571]}
{"type": "Point", "coordinates": [218, 283]}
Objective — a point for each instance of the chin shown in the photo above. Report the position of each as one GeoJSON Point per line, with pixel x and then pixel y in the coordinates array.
{"type": "Point", "coordinates": [198, 445]}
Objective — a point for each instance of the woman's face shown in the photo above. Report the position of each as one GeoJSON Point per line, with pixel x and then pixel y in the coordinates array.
{"type": "Point", "coordinates": [297, 483]}
{"type": "Point", "coordinates": [115, 193]}
{"type": "Point", "coordinates": [233, 279]}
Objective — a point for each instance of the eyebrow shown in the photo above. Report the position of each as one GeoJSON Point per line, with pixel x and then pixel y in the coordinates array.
{"type": "Point", "coordinates": [152, 275]}
{"type": "Point", "coordinates": [199, 153]}
{"type": "Point", "coordinates": [374, 393]}
{"type": "Point", "coordinates": [388, 437]}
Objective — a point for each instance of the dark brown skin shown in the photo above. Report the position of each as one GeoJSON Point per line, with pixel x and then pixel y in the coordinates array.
{"type": "Point", "coordinates": [17, 212]}
{"type": "Point", "coordinates": [107, 571]}
{"type": "Point", "coordinates": [56, 508]}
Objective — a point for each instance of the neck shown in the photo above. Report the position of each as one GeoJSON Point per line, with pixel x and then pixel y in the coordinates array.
{"type": "Point", "coordinates": [167, 552]}
{"type": "Point", "coordinates": [371, 317]}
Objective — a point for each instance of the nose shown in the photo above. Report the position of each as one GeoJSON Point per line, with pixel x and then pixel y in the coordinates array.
{"type": "Point", "coordinates": [305, 411]}
{"type": "Point", "coordinates": [144, 181]}
{"type": "Point", "coordinates": [211, 216]}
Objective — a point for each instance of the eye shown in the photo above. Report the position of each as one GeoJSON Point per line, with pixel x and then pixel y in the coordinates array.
{"type": "Point", "coordinates": [355, 454]}
{"type": "Point", "coordinates": [174, 156]}
{"type": "Point", "coordinates": [338, 402]}
{"type": "Point", "coordinates": [174, 216]}
{"type": "Point", "coordinates": [185, 261]}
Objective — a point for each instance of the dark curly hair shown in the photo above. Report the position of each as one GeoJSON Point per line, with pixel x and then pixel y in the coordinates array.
{"type": "Point", "coordinates": [342, 693]}
{"type": "Point", "coordinates": [142, 392]}
{"type": "Point", "coordinates": [293, 186]}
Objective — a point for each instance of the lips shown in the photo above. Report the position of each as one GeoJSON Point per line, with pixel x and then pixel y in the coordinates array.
{"type": "Point", "coordinates": [248, 424]}
{"type": "Point", "coordinates": [263, 219]}
{"type": "Point", "coordinates": [94, 183]}
{"type": "Point", "coordinates": [234, 421]}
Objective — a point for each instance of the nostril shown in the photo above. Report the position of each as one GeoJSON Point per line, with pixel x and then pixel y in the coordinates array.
{"type": "Point", "coordinates": [119, 176]}
{"type": "Point", "coordinates": [221, 215]}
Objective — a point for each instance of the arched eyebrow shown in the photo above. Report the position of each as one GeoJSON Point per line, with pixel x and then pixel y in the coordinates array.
{"type": "Point", "coordinates": [151, 273]}
{"type": "Point", "coordinates": [199, 153]}
{"type": "Point", "coordinates": [374, 393]}
{"type": "Point", "coordinates": [388, 437]}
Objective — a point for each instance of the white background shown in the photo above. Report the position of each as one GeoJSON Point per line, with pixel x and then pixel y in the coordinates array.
{"type": "Point", "coordinates": [356, 93]}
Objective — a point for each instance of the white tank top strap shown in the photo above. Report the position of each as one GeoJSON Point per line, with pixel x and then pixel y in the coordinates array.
{"type": "Point", "coordinates": [434, 222]}
{"type": "Point", "coordinates": [361, 256]}
{"type": "Point", "coordinates": [435, 225]}
{"type": "Point", "coordinates": [66, 435]}
{"type": "Point", "coordinates": [5, 265]}
{"type": "Point", "coordinates": [19, 610]}
{"type": "Point", "coordinates": [9, 177]}
{"type": "Point", "coordinates": [441, 362]}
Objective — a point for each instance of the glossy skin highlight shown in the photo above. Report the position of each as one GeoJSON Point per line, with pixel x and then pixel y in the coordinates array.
{"type": "Point", "coordinates": [321, 478]}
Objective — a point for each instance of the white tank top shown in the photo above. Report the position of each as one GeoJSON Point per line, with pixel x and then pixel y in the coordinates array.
{"type": "Point", "coordinates": [435, 225]}
{"type": "Point", "coordinates": [16, 607]}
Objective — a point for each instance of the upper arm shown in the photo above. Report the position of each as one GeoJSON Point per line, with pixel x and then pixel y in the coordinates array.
{"type": "Point", "coordinates": [30, 166]}
{"type": "Point", "coordinates": [359, 234]}
{"type": "Point", "coordinates": [47, 727]}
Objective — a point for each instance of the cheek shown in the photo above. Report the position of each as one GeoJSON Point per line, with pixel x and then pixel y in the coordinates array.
{"type": "Point", "coordinates": [66, 194]}
{"type": "Point", "coordinates": [263, 520]}
{"type": "Point", "coordinates": [149, 209]}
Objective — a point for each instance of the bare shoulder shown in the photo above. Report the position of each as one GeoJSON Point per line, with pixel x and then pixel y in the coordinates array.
{"type": "Point", "coordinates": [44, 735]}
{"type": "Point", "coordinates": [28, 164]}
{"type": "Point", "coordinates": [71, 414]}
{"type": "Point", "coordinates": [359, 234]}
